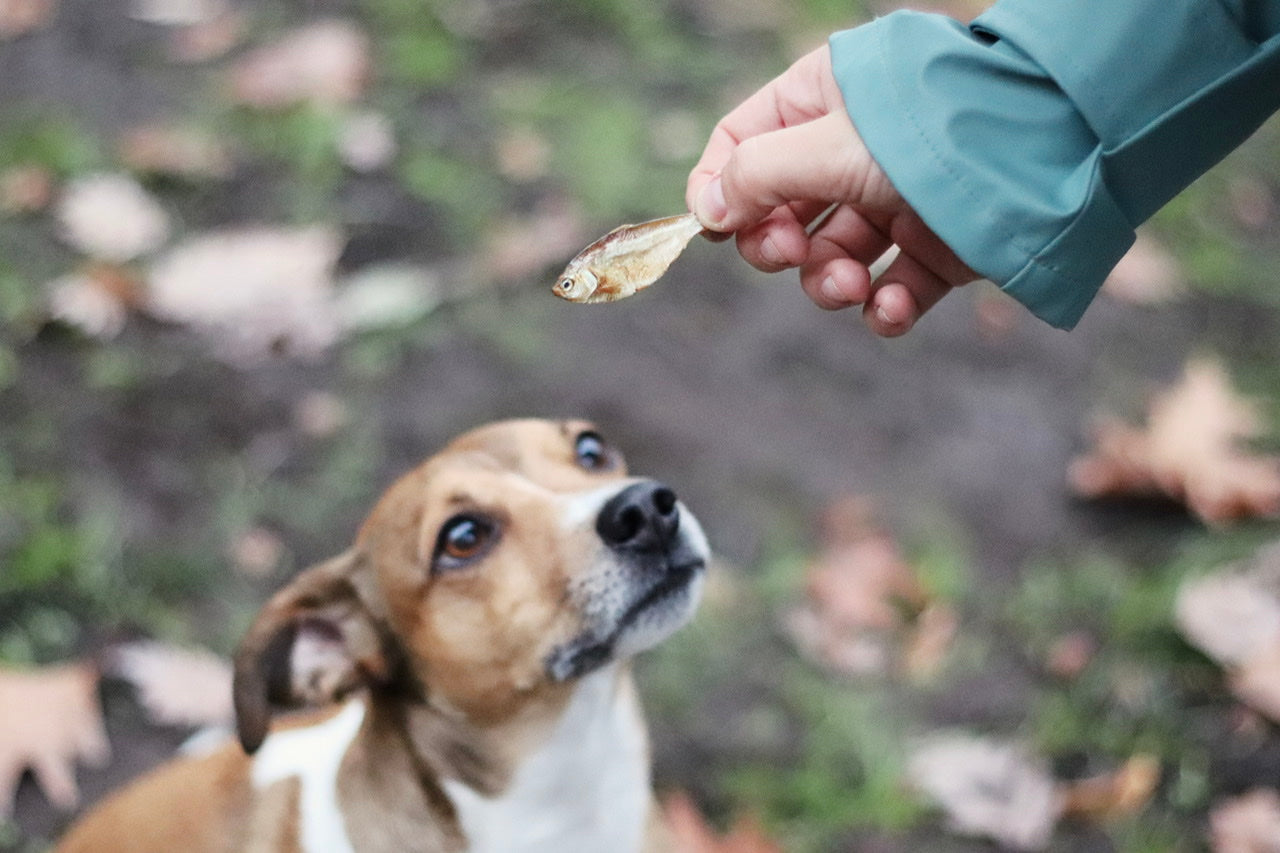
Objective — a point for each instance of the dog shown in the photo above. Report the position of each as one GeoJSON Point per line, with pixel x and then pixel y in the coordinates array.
{"type": "Point", "coordinates": [472, 648]}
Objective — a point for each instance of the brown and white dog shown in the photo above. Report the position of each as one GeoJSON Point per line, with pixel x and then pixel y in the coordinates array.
{"type": "Point", "coordinates": [478, 633]}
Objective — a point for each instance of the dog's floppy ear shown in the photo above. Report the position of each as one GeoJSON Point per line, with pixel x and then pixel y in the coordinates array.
{"type": "Point", "coordinates": [313, 642]}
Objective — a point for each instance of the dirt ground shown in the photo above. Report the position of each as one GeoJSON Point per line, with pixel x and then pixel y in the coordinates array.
{"type": "Point", "coordinates": [757, 407]}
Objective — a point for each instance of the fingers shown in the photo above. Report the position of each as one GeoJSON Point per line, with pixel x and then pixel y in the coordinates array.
{"type": "Point", "coordinates": [823, 160]}
{"type": "Point", "coordinates": [803, 92]}
{"type": "Point", "coordinates": [841, 250]}
{"type": "Point", "coordinates": [779, 241]}
{"type": "Point", "coordinates": [902, 293]}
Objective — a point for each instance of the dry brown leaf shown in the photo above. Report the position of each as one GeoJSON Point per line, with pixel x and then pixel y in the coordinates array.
{"type": "Point", "coordinates": [49, 719]}
{"type": "Point", "coordinates": [208, 40]}
{"type": "Point", "coordinates": [1256, 682]}
{"type": "Point", "coordinates": [175, 150]}
{"type": "Point", "coordinates": [1124, 791]}
{"type": "Point", "coordinates": [254, 293]}
{"type": "Point", "coordinates": [256, 552]}
{"type": "Point", "coordinates": [324, 63]}
{"type": "Point", "coordinates": [690, 832]}
{"type": "Point", "coordinates": [988, 788]}
{"type": "Point", "coordinates": [110, 217]}
{"type": "Point", "coordinates": [19, 17]}
{"type": "Point", "coordinates": [1148, 274]}
{"type": "Point", "coordinates": [929, 642]}
{"type": "Point", "coordinates": [865, 611]}
{"type": "Point", "coordinates": [521, 247]}
{"type": "Point", "coordinates": [1191, 451]}
{"type": "Point", "coordinates": [1249, 823]}
{"type": "Point", "coordinates": [1233, 616]}
{"type": "Point", "coordinates": [523, 154]}
{"type": "Point", "coordinates": [25, 189]}
{"type": "Point", "coordinates": [95, 300]}
{"type": "Point", "coordinates": [178, 687]}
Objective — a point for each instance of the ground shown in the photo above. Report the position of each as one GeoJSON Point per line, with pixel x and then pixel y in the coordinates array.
{"type": "Point", "coordinates": [136, 463]}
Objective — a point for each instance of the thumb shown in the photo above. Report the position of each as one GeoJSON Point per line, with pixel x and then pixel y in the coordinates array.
{"type": "Point", "coordinates": [820, 160]}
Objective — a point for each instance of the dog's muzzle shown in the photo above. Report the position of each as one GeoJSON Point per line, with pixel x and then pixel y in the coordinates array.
{"type": "Point", "coordinates": [648, 585]}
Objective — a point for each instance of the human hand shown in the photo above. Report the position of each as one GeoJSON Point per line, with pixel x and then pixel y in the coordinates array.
{"type": "Point", "coordinates": [778, 161]}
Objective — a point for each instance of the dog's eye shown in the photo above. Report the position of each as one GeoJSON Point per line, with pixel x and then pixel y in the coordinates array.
{"type": "Point", "coordinates": [461, 540]}
{"type": "Point", "coordinates": [592, 453]}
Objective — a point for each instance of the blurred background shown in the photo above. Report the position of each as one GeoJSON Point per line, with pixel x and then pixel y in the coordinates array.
{"type": "Point", "coordinates": [988, 586]}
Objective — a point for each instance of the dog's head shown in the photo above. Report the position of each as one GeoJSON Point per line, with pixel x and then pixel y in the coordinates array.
{"type": "Point", "coordinates": [519, 558]}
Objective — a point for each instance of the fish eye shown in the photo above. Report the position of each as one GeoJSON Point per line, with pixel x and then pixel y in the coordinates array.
{"type": "Point", "coordinates": [462, 539]}
{"type": "Point", "coordinates": [566, 284]}
{"type": "Point", "coordinates": [591, 453]}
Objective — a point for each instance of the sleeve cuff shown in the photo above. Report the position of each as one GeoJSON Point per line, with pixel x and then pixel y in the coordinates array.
{"type": "Point", "coordinates": [958, 125]}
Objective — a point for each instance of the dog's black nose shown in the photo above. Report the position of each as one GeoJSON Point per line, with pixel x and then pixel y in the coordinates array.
{"type": "Point", "coordinates": [641, 517]}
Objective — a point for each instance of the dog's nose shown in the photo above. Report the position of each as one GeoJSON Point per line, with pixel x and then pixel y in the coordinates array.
{"type": "Point", "coordinates": [642, 517]}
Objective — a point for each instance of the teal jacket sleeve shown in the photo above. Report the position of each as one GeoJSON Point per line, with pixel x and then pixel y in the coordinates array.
{"type": "Point", "coordinates": [1034, 140]}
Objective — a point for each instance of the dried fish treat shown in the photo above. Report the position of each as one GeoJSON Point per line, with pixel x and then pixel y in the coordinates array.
{"type": "Point", "coordinates": [626, 260]}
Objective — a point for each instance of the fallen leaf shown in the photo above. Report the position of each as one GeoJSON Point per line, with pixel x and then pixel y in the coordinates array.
{"type": "Point", "coordinates": [519, 247]}
{"type": "Point", "coordinates": [384, 296]}
{"type": "Point", "coordinates": [1233, 616]}
{"type": "Point", "coordinates": [256, 552]}
{"type": "Point", "coordinates": [176, 686]}
{"type": "Point", "coordinates": [1148, 274]}
{"type": "Point", "coordinates": [690, 832]}
{"type": "Point", "coordinates": [110, 217]}
{"type": "Point", "coordinates": [254, 292]}
{"type": "Point", "coordinates": [208, 40]}
{"type": "Point", "coordinates": [177, 13]}
{"type": "Point", "coordinates": [1249, 823]}
{"type": "Point", "coordinates": [49, 720]}
{"type": "Point", "coordinates": [20, 17]}
{"type": "Point", "coordinates": [25, 189]}
{"type": "Point", "coordinates": [1190, 451]}
{"type": "Point", "coordinates": [931, 638]}
{"type": "Point", "coordinates": [323, 63]}
{"type": "Point", "coordinates": [174, 150]}
{"type": "Point", "coordinates": [865, 611]}
{"type": "Point", "coordinates": [1123, 792]}
{"type": "Point", "coordinates": [523, 154]}
{"type": "Point", "coordinates": [367, 141]}
{"type": "Point", "coordinates": [988, 788]}
{"type": "Point", "coordinates": [1256, 682]}
{"type": "Point", "coordinates": [94, 300]}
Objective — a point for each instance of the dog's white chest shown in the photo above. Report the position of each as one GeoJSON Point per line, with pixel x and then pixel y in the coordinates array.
{"type": "Point", "coordinates": [313, 755]}
{"type": "Point", "coordinates": [585, 791]}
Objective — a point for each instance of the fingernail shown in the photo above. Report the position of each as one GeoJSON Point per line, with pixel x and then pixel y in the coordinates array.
{"type": "Point", "coordinates": [710, 206]}
{"type": "Point", "coordinates": [769, 251]}
{"type": "Point", "coordinates": [896, 326]}
{"type": "Point", "coordinates": [830, 292]}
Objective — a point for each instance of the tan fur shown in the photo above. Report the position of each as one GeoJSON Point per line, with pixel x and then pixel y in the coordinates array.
{"type": "Point", "coordinates": [451, 665]}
